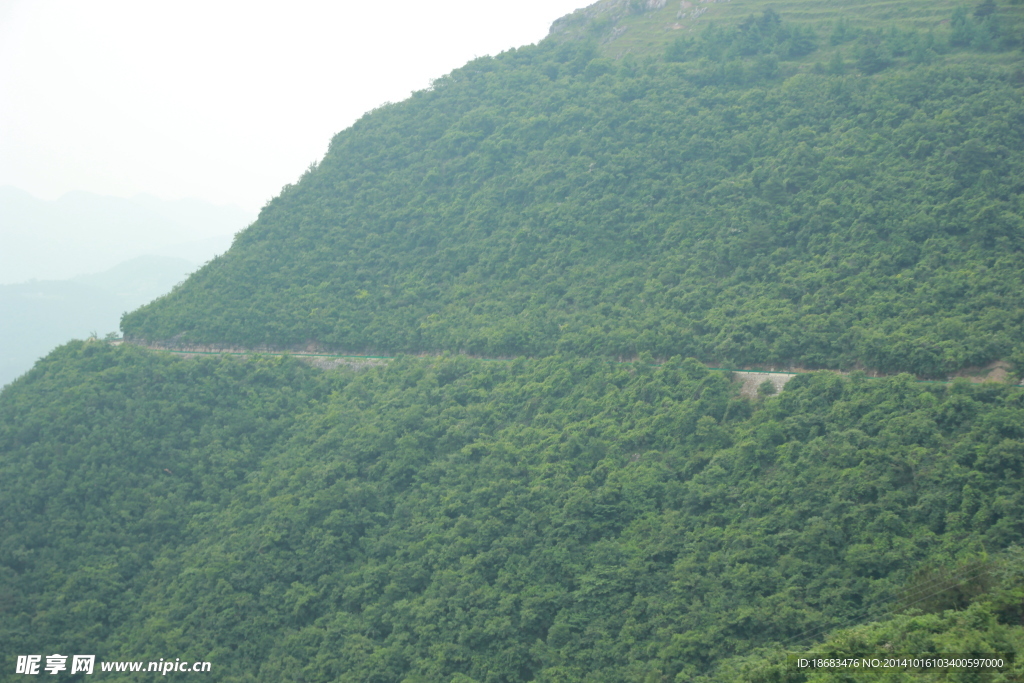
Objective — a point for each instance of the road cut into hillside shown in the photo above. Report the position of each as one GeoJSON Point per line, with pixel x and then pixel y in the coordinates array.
{"type": "Point", "coordinates": [750, 379]}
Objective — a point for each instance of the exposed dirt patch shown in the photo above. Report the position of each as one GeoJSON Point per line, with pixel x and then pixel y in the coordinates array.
{"type": "Point", "coordinates": [335, 363]}
{"type": "Point", "coordinates": [752, 380]}
{"type": "Point", "coordinates": [310, 354]}
{"type": "Point", "coordinates": [997, 371]}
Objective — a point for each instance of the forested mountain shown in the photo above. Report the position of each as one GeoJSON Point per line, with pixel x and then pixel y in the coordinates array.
{"type": "Point", "coordinates": [780, 186]}
{"type": "Point", "coordinates": [731, 201]}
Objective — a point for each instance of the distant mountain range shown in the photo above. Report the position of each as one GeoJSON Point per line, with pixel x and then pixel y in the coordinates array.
{"type": "Point", "coordinates": [40, 315]}
{"type": "Point", "coordinates": [72, 266]}
{"type": "Point", "coordinates": [82, 233]}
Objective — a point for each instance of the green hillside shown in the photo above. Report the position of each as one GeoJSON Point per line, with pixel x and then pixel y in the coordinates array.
{"type": "Point", "coordinates": [986, 622]}
{"type": "Point", "coordinates": [456, 519]}
{"type": "Point", "coordinates": [812, 183]}
{"type": "Point", "coordinates": [711, 203]}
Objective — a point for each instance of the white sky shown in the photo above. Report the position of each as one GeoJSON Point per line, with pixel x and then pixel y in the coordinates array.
{"type": "Point", "coordinates": [221, 100]}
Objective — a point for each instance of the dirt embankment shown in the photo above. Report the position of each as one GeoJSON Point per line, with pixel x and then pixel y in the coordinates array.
{"type": "Point", "coordinates": [311, 355]}
{"type": "Point", "coordinates": [998, 371]}
{"type": "Point", "coordinates": [752, 381]}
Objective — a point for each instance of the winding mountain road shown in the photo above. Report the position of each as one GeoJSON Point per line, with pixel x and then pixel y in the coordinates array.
{"type": "Point", "coordinates": [751, 379]}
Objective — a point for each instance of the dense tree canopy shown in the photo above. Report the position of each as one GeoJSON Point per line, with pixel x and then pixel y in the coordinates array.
{"type": "Point", "coordinates": [867, 213]}
{"type": "Point", "coordinates": [766, 191]}
{"type": "Point", "coordinates": [554, 520]}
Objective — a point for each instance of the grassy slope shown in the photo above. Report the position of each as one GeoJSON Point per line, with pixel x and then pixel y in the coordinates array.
{"type": "Point", "coordinates": [623, 32]}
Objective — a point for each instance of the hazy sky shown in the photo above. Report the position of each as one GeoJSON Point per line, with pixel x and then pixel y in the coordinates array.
{"type": "Point", "coordinates": [221, 99]}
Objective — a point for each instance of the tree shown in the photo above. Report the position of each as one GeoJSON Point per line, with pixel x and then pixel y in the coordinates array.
{"type": "Point", "coordinates": [985, 9]}
{"type": "Point", "coordinates": [870, 60]}
{"type": "Point", "coordinates": [836, 65]}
